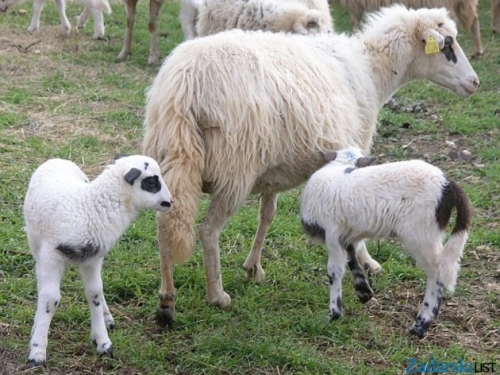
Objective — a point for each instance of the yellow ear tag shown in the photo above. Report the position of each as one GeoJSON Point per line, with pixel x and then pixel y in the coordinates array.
{"type": "Point", "coordinates": [431, 46]}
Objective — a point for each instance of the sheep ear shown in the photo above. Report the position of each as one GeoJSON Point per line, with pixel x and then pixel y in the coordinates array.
{"type": "Point", "coordinates": [132, 175]}
{"type": "Point", "coordinates": [431, 38]}
{"type": "Point", "coordinates": [299, 28]}
{"type": "Point", "coordinates": [365, 161]}
{"type": "Point", "coordinates": [119, 156]}
{"type": "Point", "coordinates": [329, 156]}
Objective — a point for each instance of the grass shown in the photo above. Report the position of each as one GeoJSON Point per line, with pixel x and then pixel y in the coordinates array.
{"type": "Point", "coordinates": [66, 97]}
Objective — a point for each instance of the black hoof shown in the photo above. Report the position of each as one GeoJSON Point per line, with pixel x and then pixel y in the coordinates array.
{"type": "Point", "coordinates": [108, 353]}
{"type": "Point", "coordinates": [417, 331]}
{"type": "Point", "coordinates": [364, 298]}
{"type": "Point", "coordinates": [34, 363]}
{"type": "Point", "coordinates": [165, 317]}
{"type": "Point", "coordinates": [111, 326]}
{"type": "Point", "coordinates": [334, 316]}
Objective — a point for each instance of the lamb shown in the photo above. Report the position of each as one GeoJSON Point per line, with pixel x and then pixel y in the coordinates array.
{"type": "Point", "coordinates": [267, 15]}
{"type": "Point", "coordinates": [71, 220]}
{"type": "Point", "coordinates": [463, 10]}
{"type": "Point", "coordinates": [94, 7]}
{"type": "Point", "coordinates": [240, 113]}
{"type": "Point", "coordinates": [412, 200]}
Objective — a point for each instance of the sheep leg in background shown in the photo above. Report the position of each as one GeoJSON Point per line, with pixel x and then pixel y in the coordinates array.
{"type": "Point", "coordinates": [430, 308]}
{"type": "Point", "coordinates": [187, 17]}
{"type": "Point", "coordinates": [476, 34]}
{"type": "Point", "coordinates": [358, 276]}
{"type": "Point", "coordinates": [219, 212]}
{"type": "Point", "coordinates": [98, 23]}
{"type": "Point", "coordinates": [81, 20]}
{"type": "Point", "coordinates": [252, 264]}
{"type": "Point", "coordinates": [166, 308]}
{"type": "Point", "coordinates": [37, 10]}
{"type": "Point", "coordinates": [92, 281]}
{"type": "Point", "coordinates": [154, 10]}
{"type": "Point", "coordinates": [130, 6]}
{"type": "Point", "coordinates": [495, 16]}
{"type": "Point", "coordinates": [49, 272]}
{"type": "Point", "coordinates": [337, 259]}
{"type": "Point", "coordinates": [365, 258]}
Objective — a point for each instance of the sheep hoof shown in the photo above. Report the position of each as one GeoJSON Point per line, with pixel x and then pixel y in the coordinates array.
{"type": "Point", "coordinates": [108, 352]}
{"type": "Point", "coordinates": [334, 315]}
{"type": "Point", "coordinates": [256, 271]}
{"type": "Point", "coordinates": [223, 301]}
{"type": "Point", "coordinates": [34, 363]}
{"type": "Point", "coordinates": [417, 331]}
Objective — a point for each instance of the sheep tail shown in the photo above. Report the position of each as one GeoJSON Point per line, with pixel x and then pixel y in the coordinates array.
{"type": "Point", "coordinates": [173, 138]}
{"type": "Point", "coordinates": [449, 262]}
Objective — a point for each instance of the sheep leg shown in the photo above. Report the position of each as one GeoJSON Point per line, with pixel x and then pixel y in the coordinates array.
{"type": "Point", "coordinates": [495, 16]}
{"type": "Point", "coordinates": [187, 17]}
{"type": "Point", "coordinates": [366, 260]}
{"type": "Point", "coordinates": [217, 216]}
{"type": "Point", "coordinates": [337, 258]}
{"type": "Point", "coordinates": [49, 272]}
{"type": "Point", "coordinates": [252, 264]}
{"type": "Point", "coordinates": [81, 20]}
{"type": "Point", "coordinates": [35, 18]}
{"type": "Point", "coordinates": [166, 308]}
{"type": "Point", "coordinates": [127, 42]}
{"type": "Point", "coordinates": [359, 280]}
{"type": "Point", "coordinates": [154, 10]}
{"type": "Point", "coordinates": [98, 23]}
{"type": "Point", "coordinates": [91, 275]}
{"type": "Point", "coordinates": [476, 34]}
{"type": "Point", "coordinates": [430, 308]}
{"type": "Point", "coordinates": [61, 9]}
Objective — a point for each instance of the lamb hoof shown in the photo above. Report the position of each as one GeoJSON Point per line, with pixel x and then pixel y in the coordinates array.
{"type": "Point", "coordinates": [35, 363]}
{"type": "Point", "coordinates": [122, 56]}
{"type": "Point", "coordinates": [108, 352]}
{"type": "Point", "coordinates": [417, 331]}
{"type": "Point", "coordinates": [334, 315]}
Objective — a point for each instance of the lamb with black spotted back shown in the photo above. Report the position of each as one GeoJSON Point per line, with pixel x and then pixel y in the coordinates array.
{"type": "Point", "coordinates": [72, 220]}
{"type": "Point", "coordinates": [343, 203]}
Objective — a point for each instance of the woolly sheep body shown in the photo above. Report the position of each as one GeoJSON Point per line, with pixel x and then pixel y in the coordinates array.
{"type": "Point", "coordinates": [200, 18]}
{"type": "Point", "coordinates": [267, 15]}
{"type": "Point", "coordinates": [69, 219]}
{"type": "Point", "coordinates": [249, 112]}
{"type": "Point", "coordinates": [411, 200]}
{"type": "Point", "coordinates": [464, 11]}
{"type": "Point", "coordinates": [94, 7]}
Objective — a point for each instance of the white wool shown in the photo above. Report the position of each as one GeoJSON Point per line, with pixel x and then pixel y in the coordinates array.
{"type": "Point", "coordinates": [70, 219]}
{"type": "Point", "coordinates": [199, 18]}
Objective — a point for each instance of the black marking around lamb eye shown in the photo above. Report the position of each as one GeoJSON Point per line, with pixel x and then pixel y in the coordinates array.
{"type": "Point", "coordinates": [448, 49]}
{"type": "Point", "coordinates": [80, 252]}
{"type": "Point", "coordinates": [151, 184]}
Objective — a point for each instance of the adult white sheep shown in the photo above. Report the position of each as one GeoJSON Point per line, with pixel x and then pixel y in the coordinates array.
{"type": "Point", "coordinates": [464, 11]}
{"type": "Point", "coordinates": [94, 7]}
{"type": "Point", "coordinates": [299, 16]}
{"type": "Point", "coordinates": [342, 204]}
{"type": "Point", "coordinates": [240, 112]}
{"type": "Point", "coordinates": [69, 219]}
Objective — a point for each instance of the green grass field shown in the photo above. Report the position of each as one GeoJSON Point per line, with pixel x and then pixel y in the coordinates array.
{"type": "Point", "coordinates": [67, 97]}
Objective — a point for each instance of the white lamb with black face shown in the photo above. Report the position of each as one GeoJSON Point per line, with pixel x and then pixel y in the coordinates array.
{"type": "Point", "coordinates": [344, 203]}
{"type": "Point", "coordinates": [69, 219]}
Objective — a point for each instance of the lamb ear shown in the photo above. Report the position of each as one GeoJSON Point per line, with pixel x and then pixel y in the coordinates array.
{"type": "Point", "coordinates": [132, 175]}
{"type": "Point", "coordinates": [365, 161]}
{"type": "Point", "coordinates": [119, 156]}
{"type": "Point", "coordinates": [329, 156]}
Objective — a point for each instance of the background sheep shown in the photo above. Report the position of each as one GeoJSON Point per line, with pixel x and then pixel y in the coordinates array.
{"type": "Point", "coordinates": [299, 16]}
{"type": "Point", "coordinates": [94, 7]}
{"type": "Point", "coordinates": [495, 16]}
{"type": "Point", "coordinates": [69, 219]}
{"type": "Point", "coordinates": [411, 200]}
{"type": "Point", "coordinates": [460, 10]}
{"type": "Point", "coordinates": [247, 112]}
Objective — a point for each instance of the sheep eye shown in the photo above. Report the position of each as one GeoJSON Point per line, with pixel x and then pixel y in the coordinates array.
{"type": "Point", "coordinates": [151, 184]}
{"type": "Point", "coordinates": [440, 24]}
